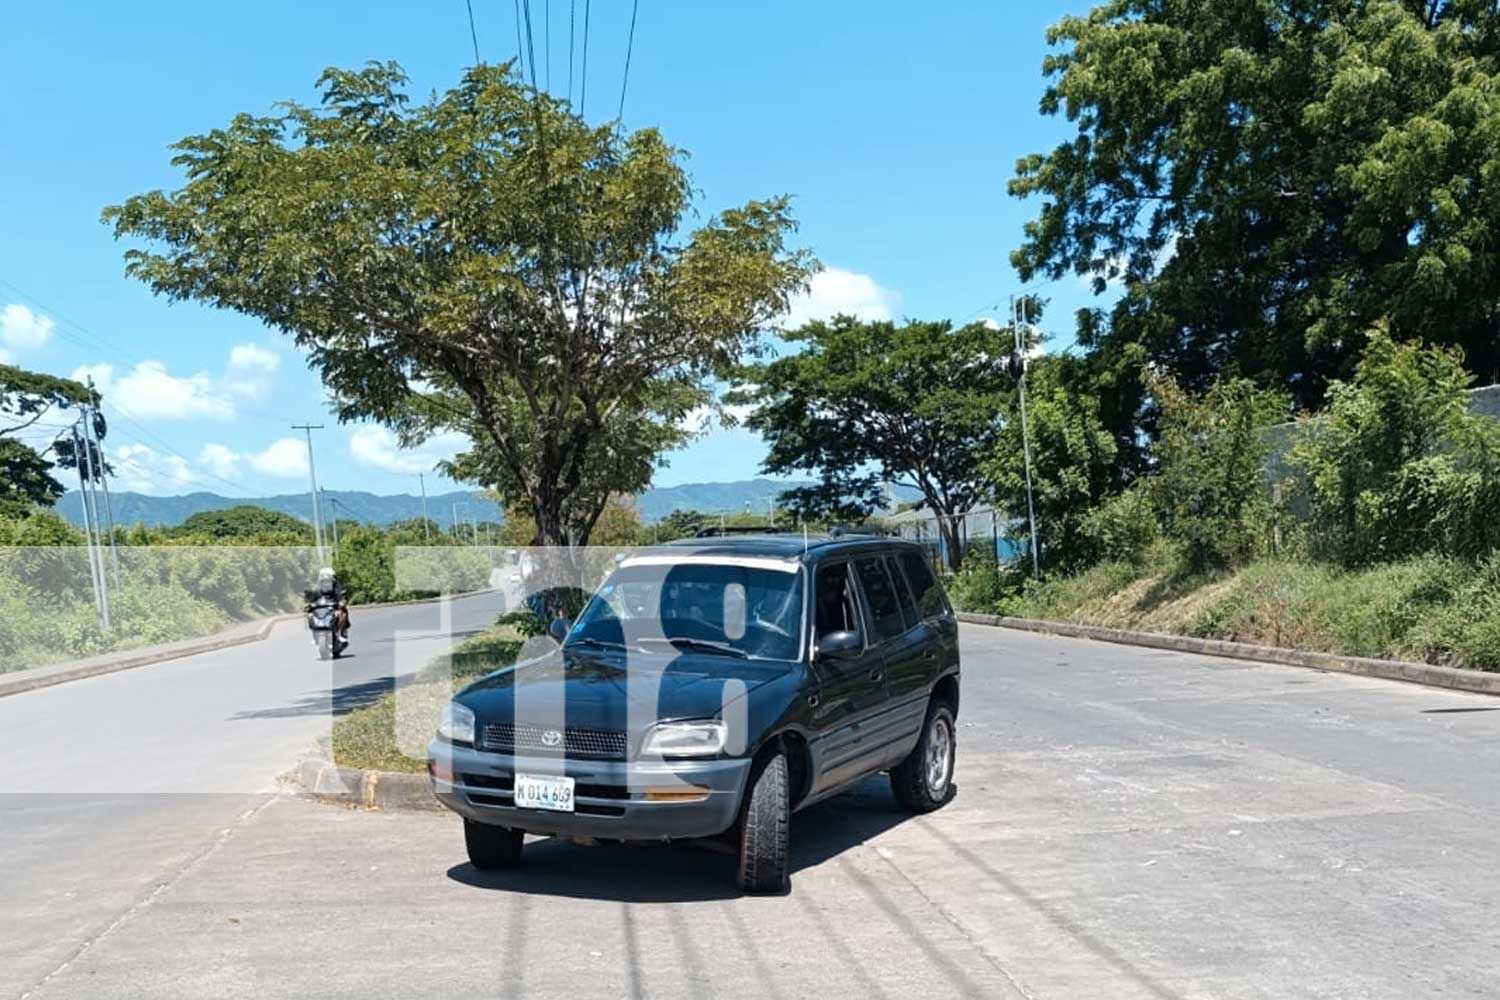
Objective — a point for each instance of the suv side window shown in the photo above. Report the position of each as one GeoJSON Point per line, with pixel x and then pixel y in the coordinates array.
{"type": "Point", "coordinates": [834, 609]}
{"type": "Point", "coordinates": [924, 585]}
{"type": "Point", "coordinates": [880, 591]}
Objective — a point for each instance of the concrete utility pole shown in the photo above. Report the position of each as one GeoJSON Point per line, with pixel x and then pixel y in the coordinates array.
{"type": "Point", "coordinates": [1015, 322]}
{"type": "Point", "coordinates": [422, 485]}
{"type": "Point", "coordinates": [334, 505]}
{"type": "Point", "coordinates": [312, 473]}
{"type": "Point", "coordinates": [85, 463]}
{"type": "Point", "coordinates": [91, 427]}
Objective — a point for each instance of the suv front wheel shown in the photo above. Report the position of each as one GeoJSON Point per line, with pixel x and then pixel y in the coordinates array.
{"type": "Point", "coordinates": [764, 821]}
{"type": "Point", "coordinates": [924, 779]}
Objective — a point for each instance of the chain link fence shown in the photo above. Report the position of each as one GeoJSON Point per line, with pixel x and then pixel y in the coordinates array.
{"type": "Point", "coordinates": [983, 529]}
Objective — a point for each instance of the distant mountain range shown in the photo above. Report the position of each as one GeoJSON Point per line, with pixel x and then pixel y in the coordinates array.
{"type": "Point", "coordinates": [130, 508]}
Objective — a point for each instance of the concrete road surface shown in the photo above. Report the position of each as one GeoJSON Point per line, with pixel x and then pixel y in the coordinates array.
{"type": "Point", "coordinates": [1128, 823]}
{"type": "Point", "coordinates": [104, 782]}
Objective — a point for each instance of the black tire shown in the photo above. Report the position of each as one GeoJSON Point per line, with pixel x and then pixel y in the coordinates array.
{"type": "Point", "coordinates": [765, 821]}
{"type": "Point", "coordinates": [492, 848]}
{"type": "Point", "coordinates": [919, 784]}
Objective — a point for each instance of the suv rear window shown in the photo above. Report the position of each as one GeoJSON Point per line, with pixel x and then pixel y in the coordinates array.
{"type": "Point", "coordinates": [885, 608]}
{"type": "Point", "coordinates": [924, 584]}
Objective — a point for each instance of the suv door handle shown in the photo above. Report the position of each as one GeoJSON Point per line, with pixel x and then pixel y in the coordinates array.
{"type": "Point", "coordinates": [929, 654]}
{"type": "Point", "coordinates": [876, 675]}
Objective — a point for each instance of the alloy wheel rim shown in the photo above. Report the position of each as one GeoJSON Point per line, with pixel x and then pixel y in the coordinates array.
{"type": "Point", "coordinates": [939, 756]}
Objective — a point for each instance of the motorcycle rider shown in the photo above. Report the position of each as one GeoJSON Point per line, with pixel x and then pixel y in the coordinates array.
{"type": "Point", "coordinates": [328, 586]}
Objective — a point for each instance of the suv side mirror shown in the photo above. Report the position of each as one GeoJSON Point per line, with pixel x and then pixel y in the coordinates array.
{"type": "Point", "coordinates": [558, 630]}
{"type": "Point", "coordinates": [841, 645]}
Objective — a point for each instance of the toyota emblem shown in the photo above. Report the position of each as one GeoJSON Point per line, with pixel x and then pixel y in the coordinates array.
{"type": "Point", "coordinates": [551, 738]}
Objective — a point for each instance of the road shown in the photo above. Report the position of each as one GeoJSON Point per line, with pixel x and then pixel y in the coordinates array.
{"type": "Point", "coordinates": [110, 782]}
{"type": "Point", "coordinates": [1128, 824]}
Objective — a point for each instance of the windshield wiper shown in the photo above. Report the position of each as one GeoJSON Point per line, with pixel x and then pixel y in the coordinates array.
{"type": "Point", "coordinates": [706, 645]}
{"type": "Point", "coordinates": [594, 643]}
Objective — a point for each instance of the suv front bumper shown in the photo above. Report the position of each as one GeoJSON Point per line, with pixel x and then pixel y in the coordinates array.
{"type": "Point", "coordinates": [610, 800]}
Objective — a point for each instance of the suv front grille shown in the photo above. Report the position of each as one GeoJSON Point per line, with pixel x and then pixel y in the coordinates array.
{"type": "Point", "coordinates": [598, 744]}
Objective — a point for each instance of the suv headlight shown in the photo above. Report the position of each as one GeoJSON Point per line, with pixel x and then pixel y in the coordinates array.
{"type": "Point", "coordinates": [457, 724]}
{"type": "Point", "coordinates": [685, 739]}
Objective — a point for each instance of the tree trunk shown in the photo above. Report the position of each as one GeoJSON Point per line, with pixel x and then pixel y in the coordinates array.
{"type": "Point", "coordinates": [948, 530]}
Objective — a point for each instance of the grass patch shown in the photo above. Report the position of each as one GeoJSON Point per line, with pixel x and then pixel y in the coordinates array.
{"type": "Point", "coordinates": [1432, 609]}
{"type": "Point", "coordinates": [391, 733]}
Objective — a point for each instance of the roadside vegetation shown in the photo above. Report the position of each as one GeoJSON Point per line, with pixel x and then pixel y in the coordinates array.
{"type": "Point", "coordinates": [1378, 537]}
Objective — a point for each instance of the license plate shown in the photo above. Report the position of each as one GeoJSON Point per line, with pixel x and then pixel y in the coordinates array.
{"type": "Point", "coordinates": [535, 791]}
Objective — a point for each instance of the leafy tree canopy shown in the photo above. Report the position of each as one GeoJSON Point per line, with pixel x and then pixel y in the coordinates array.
{"type": "Point", "coordinates": [1268, 179]}
{"type": "Point", "coordinates": [486, 261]}
{"type": "Point", "coordinates": [243, 521]}
{"type": "Point", "coordinates": [864, 403]}
{"type": "Point", "coordinates": [1072, 461]}
{"type": "Point", "coordinates": [26, 477]}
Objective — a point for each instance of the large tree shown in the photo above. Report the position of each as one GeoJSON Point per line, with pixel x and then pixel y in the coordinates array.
{"type": "Point", "coordinates": [26, 397]}
{"type": "Point", "coordinates": [861, 404]}
{"type": "Point", "coordinates": [486, 261]}
{"type": "Point", "coordinates": [1266, 179]}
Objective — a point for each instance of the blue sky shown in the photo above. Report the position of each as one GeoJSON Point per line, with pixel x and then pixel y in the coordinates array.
{"type": "Point", "coordinates": [894, 126]}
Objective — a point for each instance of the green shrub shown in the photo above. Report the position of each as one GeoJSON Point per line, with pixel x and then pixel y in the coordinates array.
{"type": "Point", "coordinates": [1122, 528]}
{"type": "Point", "coordinates": [1209, 489]}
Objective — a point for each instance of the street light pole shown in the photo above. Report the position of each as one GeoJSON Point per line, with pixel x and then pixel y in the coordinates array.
{"type": "Point", "coordinates": [334, 503]}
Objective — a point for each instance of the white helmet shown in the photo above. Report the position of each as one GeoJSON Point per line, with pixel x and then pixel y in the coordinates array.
{"type": "Point", "coordinates": [325, 579]}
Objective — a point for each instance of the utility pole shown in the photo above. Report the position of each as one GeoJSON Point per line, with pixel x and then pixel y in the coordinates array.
{"type": "Point", "coordinates": [85, 462]}
{"type": "Point", "coordinates": [91, 427]}
{"type": "Point", "coordinates": [422, 485]}
{"type": "Point", "coordinates": [312, 474]}
{"type": "Point", "coordinates": [1036, 569]}
{"type": "Point", "coordinates": [334, 504]}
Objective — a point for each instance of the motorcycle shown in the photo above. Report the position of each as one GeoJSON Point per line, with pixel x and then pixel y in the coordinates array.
{"type": "Point", "coordinates": [323, 620]}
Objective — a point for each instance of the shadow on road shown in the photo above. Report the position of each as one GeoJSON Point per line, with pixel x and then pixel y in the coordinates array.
{"type": "Point", "coordinates": [687, 873]}
{"type": "Point", "coordinates": [335, 702]}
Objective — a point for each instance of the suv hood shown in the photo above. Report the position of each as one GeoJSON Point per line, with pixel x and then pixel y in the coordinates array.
{"type": "Point", "coordinates": [605, 690]}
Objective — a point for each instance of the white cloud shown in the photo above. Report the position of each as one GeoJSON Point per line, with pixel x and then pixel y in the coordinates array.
{"type": "Point", "coordinates": [833, 291]}
{"type": "Point", "coordinates": [253, 358]}
{"type": "Point", "coordinates": [149, 390]}
{"type": "Point", "coordinates": [219, 460]}
{"type": "Point", "coordinates": [23, 330]}
{"type": "Point", "coordinates": [6, 358]}
{"type": "Point", "coordinates": [140, 469]}
{"type": "Point", "coordinates": [250, 369]}
{"type": "Point", "coordinates": [285, 459]}
{"type": "Point", "coordinates": [377, 446]}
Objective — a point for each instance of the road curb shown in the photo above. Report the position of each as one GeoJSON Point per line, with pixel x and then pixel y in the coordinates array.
{"type": "Point", "coordinates": [363, 789]}
{"type": "Point", "coordinates": [21, 681]}
{"type": "Point", "coordinates": [1431, 675]}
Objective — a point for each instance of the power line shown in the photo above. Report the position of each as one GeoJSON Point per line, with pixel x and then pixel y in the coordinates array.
{"type": "Point", "coordinates": [520, 49]}
{"type": "Point", "coordinates": [473, 35]}
{"type": "Point", "coordinates": [530, 49]}
{"type": "Point", "coordinates": [583, 92]}
{"type": "Point", "coordinates": [629, 48]}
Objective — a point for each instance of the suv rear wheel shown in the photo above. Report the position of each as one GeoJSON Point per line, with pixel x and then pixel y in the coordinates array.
{"type": "Point", "coordinates": [492, 847]}
{"type": "Point", "coordinates": [923, 780]}
{"type": "Point", "coordinates": [765, 820]}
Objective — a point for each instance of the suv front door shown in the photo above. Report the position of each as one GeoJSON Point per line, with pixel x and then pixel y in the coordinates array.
{"type": "Point", "coordinates": [851, 689]}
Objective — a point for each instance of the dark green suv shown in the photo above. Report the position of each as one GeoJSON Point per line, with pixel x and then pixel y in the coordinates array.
{"type": "Point", "coordinates": [709, 689]}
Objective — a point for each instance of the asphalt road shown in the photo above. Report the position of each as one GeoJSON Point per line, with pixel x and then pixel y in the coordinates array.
{"type": "Point", "coordinates": [1128, 823]}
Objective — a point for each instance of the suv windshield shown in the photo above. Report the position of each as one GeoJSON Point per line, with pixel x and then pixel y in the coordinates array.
{"type": "Point", "coordinates": [733, 609]}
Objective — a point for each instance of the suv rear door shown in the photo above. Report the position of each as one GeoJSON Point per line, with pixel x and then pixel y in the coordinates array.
{"type": "Point", "coordinates": [907, 647]}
